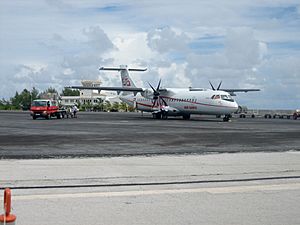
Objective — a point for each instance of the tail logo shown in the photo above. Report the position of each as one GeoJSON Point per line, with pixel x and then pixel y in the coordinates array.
{"type": "Point", "coordinates": [126, 82]}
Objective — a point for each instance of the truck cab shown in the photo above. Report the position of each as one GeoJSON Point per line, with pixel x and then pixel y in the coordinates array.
{"type": "Point", "coordinates": [45, 108]}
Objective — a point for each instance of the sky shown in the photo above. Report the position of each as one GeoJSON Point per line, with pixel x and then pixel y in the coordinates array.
{"type": "Point", "coordinates": [244, 43]}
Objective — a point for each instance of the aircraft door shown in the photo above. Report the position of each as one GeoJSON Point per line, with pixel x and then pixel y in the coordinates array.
{"type": "Point", "coordinates": [134, 103]}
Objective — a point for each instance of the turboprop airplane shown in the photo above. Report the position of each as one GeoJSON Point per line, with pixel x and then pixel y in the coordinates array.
{"type": "Point", "coordinates": [164, 102]}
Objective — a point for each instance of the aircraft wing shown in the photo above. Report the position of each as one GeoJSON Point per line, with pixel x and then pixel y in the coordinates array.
{"type": "Point", "coordinates": [232, 91]}
{"type": "Point", "coordinates": [117, 89]}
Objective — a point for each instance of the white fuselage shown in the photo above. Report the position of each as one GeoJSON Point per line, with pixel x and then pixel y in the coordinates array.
{"type": "Point", "coordinates": [182, 101]}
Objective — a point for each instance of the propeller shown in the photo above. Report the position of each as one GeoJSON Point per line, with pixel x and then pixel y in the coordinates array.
{"type": "Point", "coordinates": [212, 87]}
{"type": "Point", "coordinates": [156, 96]}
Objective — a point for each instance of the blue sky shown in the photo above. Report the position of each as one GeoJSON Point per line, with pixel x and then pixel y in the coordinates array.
{"type": "Point", "coordinates": [246, 44]}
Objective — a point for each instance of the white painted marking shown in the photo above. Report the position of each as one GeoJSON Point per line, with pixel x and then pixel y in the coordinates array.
{"type": "Point", "coordinates": [212, 190]}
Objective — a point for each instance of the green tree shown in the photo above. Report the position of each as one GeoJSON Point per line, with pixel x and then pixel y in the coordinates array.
{"type": "Point", "coordinates": [22, 100]}
{"type": "Point", "coordinates": [15, 101]}
{"type": "Point", "coordinates": [70, 92]}
{"type": "Point", "coordinates": [50, 93]}
{"type": "Point", "coordinates": [100, 105]}
{"type": "Point", "coordinates": [51, 90]}
{"type": "Point", "coordinates": [115, 107]}
{"type": "Point", "coordinates": [34, 94]}
{"type": "Point", "coordinates": [131, 109]}
{"type": "Point", "coordinates": [107, 106]}
{"type": "Point", "coordinates": [123, 106]}
{"type": "Point", "coordinates": [5, 105]}
{"type": "Point", "coordinates": [86, 106]}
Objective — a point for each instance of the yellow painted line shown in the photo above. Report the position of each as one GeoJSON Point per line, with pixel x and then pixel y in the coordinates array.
{"type": "Point", "coordinates": [212, 190]}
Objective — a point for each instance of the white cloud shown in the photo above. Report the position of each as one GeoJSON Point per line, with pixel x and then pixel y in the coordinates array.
{"type": "Point", "coordinates": [174, 76]}
{"type": "Point", "coordinates": [97, 39]}
{"type": "Point", "coordinates": [241, 48]}
{"type": "Point", "coordinates": [58, 43]}
{"type": "Point", "coordinates": [167, 39]}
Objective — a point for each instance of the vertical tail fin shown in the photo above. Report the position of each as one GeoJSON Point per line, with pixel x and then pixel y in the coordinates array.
{"type": "Point", "coordinates": [125, 78]}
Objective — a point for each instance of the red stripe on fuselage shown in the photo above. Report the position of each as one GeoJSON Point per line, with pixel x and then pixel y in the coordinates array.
{"type": "Point", "coordinates": [197, 103]}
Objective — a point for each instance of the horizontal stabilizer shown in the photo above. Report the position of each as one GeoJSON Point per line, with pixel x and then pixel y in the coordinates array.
{"type": "Point", "coordinates": [121, 68]}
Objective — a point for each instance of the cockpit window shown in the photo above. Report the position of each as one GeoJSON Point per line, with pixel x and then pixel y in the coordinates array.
{"type": "Point", "coordinates": [227, 98]}
{"type": "Point", "coordinates": [215, 97]}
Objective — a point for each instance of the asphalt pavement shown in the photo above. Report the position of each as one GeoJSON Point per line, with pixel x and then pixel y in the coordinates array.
{"type": "Point", "coordinates": [123, 134]}
{"type": "Point", "coordinates": [127, 168]}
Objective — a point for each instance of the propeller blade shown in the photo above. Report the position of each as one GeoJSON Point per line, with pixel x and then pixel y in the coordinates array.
{"type": "Point", "coordinates": [159, 101]}
{"type": "Point", "coordinates": [164, 101]}
{"type": "Point", "coordinates": [158, 86]}
{"type": "Point", "coordinates": [219, 85]}
{"type": "Point", "coordinates": [152, 87]}
{"type": "Point", "coordinates": [212, 87]}
{"type": "Point", "coordinates": [154, 102]}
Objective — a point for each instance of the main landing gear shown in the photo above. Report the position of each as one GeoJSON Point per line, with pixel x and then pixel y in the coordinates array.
{"type": "Point", "coordinates": [186, 116]}
{"type": "Point", "coordinates": [156, 115]}
{"type": "Point", "coordinates": [160, 115]}
{"type": "Point", "coordinates": [226, 118]}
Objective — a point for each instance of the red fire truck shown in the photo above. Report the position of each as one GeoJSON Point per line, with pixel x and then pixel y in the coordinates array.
{"type": "Point", "coordinates": [46, 108]}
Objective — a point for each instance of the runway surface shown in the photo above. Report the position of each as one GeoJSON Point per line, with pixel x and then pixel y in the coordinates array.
{"type": "Point", "coordinates": [119, 134]}
{"type": "Point", "coordinates": [57, 177]}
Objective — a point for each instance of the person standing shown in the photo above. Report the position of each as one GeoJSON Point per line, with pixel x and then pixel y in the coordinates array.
{"type": "Point", "coordinates": [74, 110]}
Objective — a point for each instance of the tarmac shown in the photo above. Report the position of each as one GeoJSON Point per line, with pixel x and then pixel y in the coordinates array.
{"type": "Point", "coordinates": [125, 168]}
{"type": "Point", "coordinates": [120, 134]}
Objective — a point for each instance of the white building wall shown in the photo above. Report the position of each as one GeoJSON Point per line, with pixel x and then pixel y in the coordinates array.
{"type": "Point", "coordinates": [90, 96]}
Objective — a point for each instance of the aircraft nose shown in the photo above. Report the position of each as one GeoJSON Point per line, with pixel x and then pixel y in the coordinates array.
{"type": "Point", "coordinates": [235, 106]}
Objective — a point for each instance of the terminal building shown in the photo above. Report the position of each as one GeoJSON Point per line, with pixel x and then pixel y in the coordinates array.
{"type": "Point", "coordinates": [90, 97]}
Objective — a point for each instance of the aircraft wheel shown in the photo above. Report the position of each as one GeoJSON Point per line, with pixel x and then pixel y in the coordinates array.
{"type": "Point", "coordinates": [186, 116]}
{"type": "Point", "coordinates": [226, 118]}
{"type": "Point", "coordinates": [165, 116]}
{"type": "Point", "coordinates": [156, 115]}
